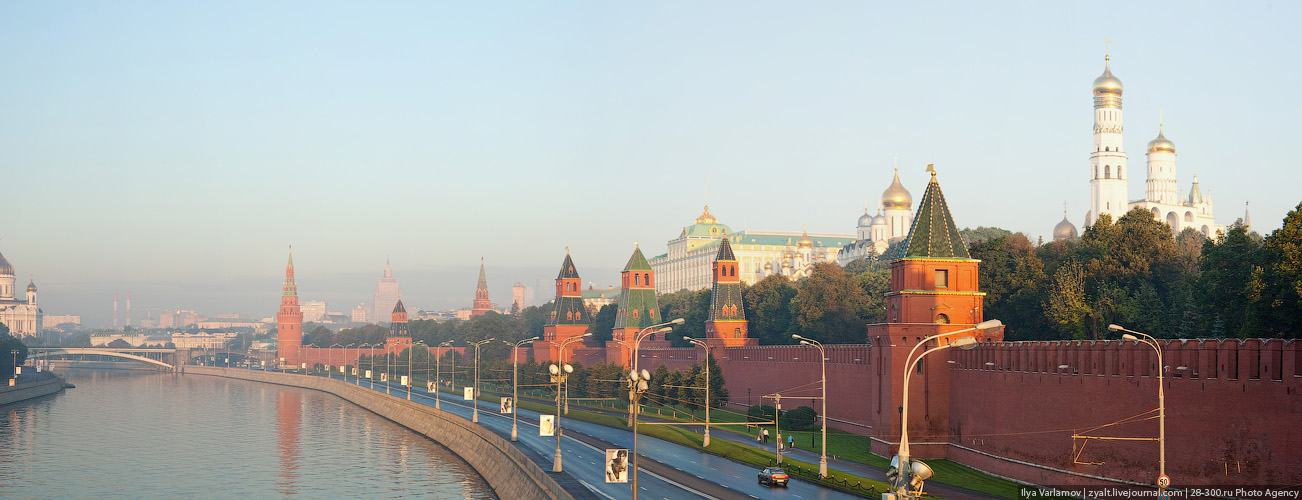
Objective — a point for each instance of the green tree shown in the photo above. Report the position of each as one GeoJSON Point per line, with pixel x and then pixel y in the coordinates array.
{"type": "Point", "coordinates": [718, 394]}
{"type": "Point", "coordinates": [1279, 304]}
{"type": "Point", "coordinates": [831, 306]}
{"type": "Point", "coordinates": [768, 308]}
{"type": "Point", "coordinates": [604, 322]}
{"type": "Point", "coordinates": [982, 233]}
{"type": "Point", "coordinates": [1012, 275]}
{"type": "Point", "coordinates": [1228, 267]}
{"type": "Point", "coordinates": [1066, 304]}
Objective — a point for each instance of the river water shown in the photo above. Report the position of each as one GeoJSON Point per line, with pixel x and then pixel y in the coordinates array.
{"type": "Point", "coordinates": [137, 434]}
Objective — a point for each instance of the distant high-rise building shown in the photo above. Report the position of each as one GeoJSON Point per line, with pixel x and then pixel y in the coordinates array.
{"type": "Point", "coordinates": [359, 314]}
{"type": "Point", "coordinates": [521, 296]}
{"type": "Point", "coordinates": [314, 310]}
{"type": "Point", "coordinates": [387, 294]}
{"type": "Point", "coordinates": [481, 305]}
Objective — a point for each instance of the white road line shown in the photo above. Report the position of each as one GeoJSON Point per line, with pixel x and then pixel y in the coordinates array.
{"type": "Point", "coordinates": [595, 490]}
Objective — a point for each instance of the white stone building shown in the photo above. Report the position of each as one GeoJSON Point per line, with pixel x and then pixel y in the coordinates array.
{"type": "Point", "coordinates": [891, 224]}
{"type": "Point", "coordinates": [1108, 170]}
{"type": "Point", "coordinates": [22, 316]}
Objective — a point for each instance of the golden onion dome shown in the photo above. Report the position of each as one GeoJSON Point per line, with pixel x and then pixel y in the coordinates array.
{"type": "Point", "coordinates": [31, 286]}
{"type": "Point", "coordinates": [896, 196]}
{"type": "Point", "coordinates": [1065, 230]}
{"type": "Point", "coordinates": [1161, 144]}
{"type": "Point", "coordinates": [805, 241]}
{"type": "Point", "coordinates": [5, 268]}
{"type": "Point", "coordinates": [880, 220]}
{"type": "Point", "coordinates": [787, 254]}
{"type": "Point", "coordinates": [768, 266]}
{"type": "Point", "coordinates": [1106, 83]}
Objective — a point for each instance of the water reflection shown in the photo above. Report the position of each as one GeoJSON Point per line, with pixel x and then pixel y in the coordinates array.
{"type": "Point", "coordinates": [150, 435]}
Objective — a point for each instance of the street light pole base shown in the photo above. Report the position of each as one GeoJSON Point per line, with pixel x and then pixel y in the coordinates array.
{"type": "Point", "coordinates": [556, 463]}
{"type": "Point", "coordinates": [822, 467]}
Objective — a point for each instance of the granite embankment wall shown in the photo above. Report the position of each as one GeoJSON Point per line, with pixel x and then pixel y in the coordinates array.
{"type": "Point", "coordinates": [506, 469]}
{"type": "Point", "coordinates": [48, 384]}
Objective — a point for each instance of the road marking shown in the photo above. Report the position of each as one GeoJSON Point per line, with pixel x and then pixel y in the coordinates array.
{"type": "Point", "coordinates": [595, 490]}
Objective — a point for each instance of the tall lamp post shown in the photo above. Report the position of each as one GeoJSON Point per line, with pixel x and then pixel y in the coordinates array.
{"type": "Point", "coordinates": [332, 356]}
{"type": "Point", "coordinates": [411, 353]}
{"type": "Point", "coordinates": [638, 383]}
{"type": "Point", "coordinates": [359, 361]}
{"type": "Point", "coordinates": [438, 374]}
{"type": "Point", "coordinates": [560, 372]}
{"type": "Point", "coordinates": [515, 381]}
{"type": "Point", "coordinates": [15, 373]}
{"type": "Point", "coordinates": [637, 343]}
{"type": "Point", "coordinates": [907, 476]}
{"type": "Point", "coordinates": [822, 359]}
{"type": "Point", "coordinates": [706, 440]}
{"type": "Point", "coordinates": [346, 361]}
{"type": "Point", "coordinates": [474, 391]}
{"type": "Point", "coordinates": [1161, 398]}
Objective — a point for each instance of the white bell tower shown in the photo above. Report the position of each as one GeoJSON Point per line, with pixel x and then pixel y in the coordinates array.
{"type": "Point", "coordinates": [1108, 160]}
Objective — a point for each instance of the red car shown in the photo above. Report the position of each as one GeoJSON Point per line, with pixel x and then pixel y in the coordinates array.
{"type": "Point", "coordinates": [773, 475]}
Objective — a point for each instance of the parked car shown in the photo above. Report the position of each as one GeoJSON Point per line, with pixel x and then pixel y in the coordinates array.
{"type": "Point", "coordinates": [773, 475]}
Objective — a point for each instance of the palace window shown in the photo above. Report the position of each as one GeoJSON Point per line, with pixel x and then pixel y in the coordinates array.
{"type": "Point", "coordinates": [942, 278]}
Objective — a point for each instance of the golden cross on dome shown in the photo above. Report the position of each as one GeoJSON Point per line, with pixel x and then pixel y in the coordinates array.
{"type": "Point", "coordinates": [1064, 209]}
{"type": "Point", "coordinates": [1161, 120]}
{"type": "Point", "coordinates": [1107, 48]}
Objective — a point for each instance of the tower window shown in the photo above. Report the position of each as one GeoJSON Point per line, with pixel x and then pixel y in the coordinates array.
{"type": "Point", "coordinates": [942, 278]}
{"type": "Point", "coordinates": [1107, 171]}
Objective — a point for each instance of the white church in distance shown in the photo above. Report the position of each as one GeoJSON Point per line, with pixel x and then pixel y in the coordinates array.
{"type": "Point", "coordinates": [1108, 172]}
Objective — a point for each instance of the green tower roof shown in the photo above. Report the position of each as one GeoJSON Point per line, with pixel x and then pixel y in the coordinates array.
{"type": "Point", "coordinates": [637, 262]}
{"type": "Point", "coordinates": [567, 268]}
{"type": "Point", "coordinates": [725, 250]}
{"type": "Point", "coordinates": [933, 234]}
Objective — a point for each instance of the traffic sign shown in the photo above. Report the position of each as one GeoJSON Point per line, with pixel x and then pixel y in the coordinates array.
{"type": "Point", "coordinates": [1163, 481]}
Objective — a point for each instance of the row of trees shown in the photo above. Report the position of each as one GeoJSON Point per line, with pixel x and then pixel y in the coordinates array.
{"type": "Point", "coordinates": [9, 344]}
{"type": "Point", "coordinates": [1136, 273]}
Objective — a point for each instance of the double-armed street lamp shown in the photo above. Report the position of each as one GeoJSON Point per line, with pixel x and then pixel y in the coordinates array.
{"type": "Point", "coordinates": [705, 441]}
{"type": "Point", "coordinates": [907, 475]}
{"type": "Point", "coordinates": [1161, 398]}
{"type": "Point", "coordinates": [15, 353]}
{"type": "Point", "coordinates": [637, 344]}
{"type": "Point", "coordinates": [822, 359]}
{"type": "Point", "coordinates": [515, 381]}
{"type": "Point", "coordinates": [438, 374]}
{"type": "Point", "coordinates": [474, 391]}
{"type": "Point", "coordinates": [346, 361]}
{"type": "Point", "coordinates": [638, 383]}
{"type": "Point", "coordinates": [411, 353]}
{"type": "Point", "coordinates": [332, 357]}
{"type": "Point", "coordinates": [561, 371]}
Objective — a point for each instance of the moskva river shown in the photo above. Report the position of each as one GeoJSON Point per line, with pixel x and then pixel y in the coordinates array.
{"type": "Point", "coordinates": [136, 434]}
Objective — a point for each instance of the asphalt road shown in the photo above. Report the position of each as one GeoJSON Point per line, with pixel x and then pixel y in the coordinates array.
{"type": "Point", "coordinates": [667, 471]}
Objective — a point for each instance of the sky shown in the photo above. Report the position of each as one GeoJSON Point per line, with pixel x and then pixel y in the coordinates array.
{"type": "Point", "coordinates": [175, 150]}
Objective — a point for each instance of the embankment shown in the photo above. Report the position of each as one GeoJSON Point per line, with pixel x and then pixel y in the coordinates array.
{"type": "Point", "coordinates": [506, 469]}
{"type": "Point", "coordinates": [45, 384]}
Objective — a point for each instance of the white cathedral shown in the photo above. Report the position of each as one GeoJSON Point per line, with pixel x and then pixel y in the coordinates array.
{"type": "Point", "coordinates": [1108, 173]}
{"type": "Point", "coordinates": [23, 317]}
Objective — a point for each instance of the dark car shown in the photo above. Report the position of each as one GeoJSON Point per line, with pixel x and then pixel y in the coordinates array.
{"type": "Point", "coordinates": [773, 475]}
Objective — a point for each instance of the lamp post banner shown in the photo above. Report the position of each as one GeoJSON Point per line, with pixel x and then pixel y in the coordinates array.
{"type": "Point", "coordinates": [508, 406]}
{"type": "Point", "coordinates": [430, 387]}
{"type": "Point", "coordinates": [469, 393]}
{"type": "Point", "coordinates": [546, 425]}
{"type": "Point", "coordinates": [616, 465]}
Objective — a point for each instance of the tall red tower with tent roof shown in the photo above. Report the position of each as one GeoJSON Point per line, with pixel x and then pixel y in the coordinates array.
{"type": "Point", "coordinates": [289, 319]}
{"type": "Point", "coordinates": [568, 317]}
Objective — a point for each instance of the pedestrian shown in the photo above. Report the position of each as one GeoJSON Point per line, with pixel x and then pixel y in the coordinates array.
{"type": "Point", "coordinates": [766, 435]}
{"type": "Point", "coordinates": [791, 440]}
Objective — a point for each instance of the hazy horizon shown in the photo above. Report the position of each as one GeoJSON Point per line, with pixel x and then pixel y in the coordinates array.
{"type": "Point", "coordinates": [175, 151]}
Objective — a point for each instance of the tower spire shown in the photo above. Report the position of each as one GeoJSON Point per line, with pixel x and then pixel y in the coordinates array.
{"type": "Point", "coordinates": [481, 304]}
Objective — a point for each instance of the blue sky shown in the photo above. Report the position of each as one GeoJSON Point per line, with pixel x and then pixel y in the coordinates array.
{"type": "Point", "coordinates": [175, 150]}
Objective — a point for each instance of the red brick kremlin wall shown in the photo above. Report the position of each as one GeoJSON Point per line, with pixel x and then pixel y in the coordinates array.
{"type": "Point", "coordinates": [1238, 420]}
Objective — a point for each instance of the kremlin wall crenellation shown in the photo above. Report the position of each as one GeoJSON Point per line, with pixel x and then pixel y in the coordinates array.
{"type": "Point", "coordinates": [1033, 411]}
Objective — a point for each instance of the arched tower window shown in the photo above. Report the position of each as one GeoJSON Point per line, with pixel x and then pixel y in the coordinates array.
{"type": "Point", "coordinates": [1107, 171]}
{"type": "Point", "coordinates": [1119, 172]}
{"type": "Point", "coordinates": [942, 319]}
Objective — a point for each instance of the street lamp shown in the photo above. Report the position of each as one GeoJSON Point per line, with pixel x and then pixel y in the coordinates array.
{"type": "Point", "coordinates": [637, 343]}
{"type": "Point", "coordinates": [1161, 399]}
{"type": "Point", "coordinates": [515, 381]}
{"type": "Point", "coordinates": [332, 356]}
{"type": "Point", "coordinates": [411, 353]}
{"type": "Point", "coordinates": [438, 375]}
{"type": "Point", "coordinates": [706, 440]}
{"type": "Point", "coordinates": [474, 391]}
{"type": "Point", "coordinates": [346, 361]}
{"type": "Point", "coordinates": [907, 476]}
{"type": "Point", "coordinates": [560, 371]}
{"type": "Point", "coordinates": [386, 380]}
{"type": "Point", "coordinates": [822, 359]}
{"type": "Point", "coordinates": [561, 356]}
{"type": "Point", "coordinates": [15, 353]}
{"type": "Point", "coordinates": [638, 383]}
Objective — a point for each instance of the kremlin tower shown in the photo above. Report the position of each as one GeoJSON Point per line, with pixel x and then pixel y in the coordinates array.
{"type": "Point", "coordinates": [568, 317]}
{"type": "Point", "coordinates": [481, 304]}
{"type": "Point", "coordinates": [398, 338]}
{"type": "Point", "coordinates": [289, 319]}
{"type": "Point", "coordinates": [639, 306]}
{"type": "Point", "coordinates": [727, 326]}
